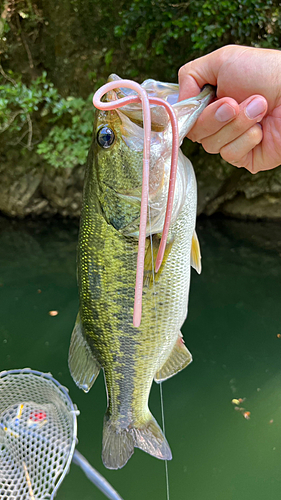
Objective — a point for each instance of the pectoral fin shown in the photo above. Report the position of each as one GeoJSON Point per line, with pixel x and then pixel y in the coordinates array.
{"type": "Point", "coordinates": [195, 259]}
{"type": "Point", "coordinates": [83, 366]}
{"type": "Point", "coordinates": [150, 258]}
{"type": "Point", "coordinates": [179, 358]}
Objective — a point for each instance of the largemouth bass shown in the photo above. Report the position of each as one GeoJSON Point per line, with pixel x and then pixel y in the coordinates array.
{"type": "Point", "coordinates": [104, 335]}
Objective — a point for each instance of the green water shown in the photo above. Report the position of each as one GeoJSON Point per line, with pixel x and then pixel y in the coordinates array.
{"type": "Point", "coordinates": [234, 318]}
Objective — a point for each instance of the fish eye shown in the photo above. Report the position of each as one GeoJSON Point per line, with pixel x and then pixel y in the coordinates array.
{"type": "Point", "coordinates": [105, 137]}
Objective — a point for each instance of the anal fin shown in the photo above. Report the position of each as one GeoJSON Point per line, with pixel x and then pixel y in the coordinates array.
{"type": "Point", "coordinates": [179, 358]}
{"type": "Point", "coordinates": [83, 366]}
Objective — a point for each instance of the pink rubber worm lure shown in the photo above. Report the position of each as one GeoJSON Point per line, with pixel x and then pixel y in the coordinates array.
{"type": "Point", "coordinates": [145, 100]}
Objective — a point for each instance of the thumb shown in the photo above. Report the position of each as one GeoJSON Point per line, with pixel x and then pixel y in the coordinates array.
{"type": "Point", "coordinates": [195, 74]}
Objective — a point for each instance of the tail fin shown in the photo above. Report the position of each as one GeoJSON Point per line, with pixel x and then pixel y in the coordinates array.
{"type": "Point", "coordinates": [151, 439]}
{"type": "Point", "coordinates": [118, 444]}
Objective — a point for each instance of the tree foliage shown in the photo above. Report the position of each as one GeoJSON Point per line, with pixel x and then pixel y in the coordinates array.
{"type": "Point", "coordinates": [65, 122]}
{"type": "Point", "coordinates": [180, 31]}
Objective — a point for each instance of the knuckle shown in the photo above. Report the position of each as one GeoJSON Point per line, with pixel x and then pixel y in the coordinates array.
{"type": "Point", "coordinates": [210, 150]}
{"type": "Point", "coordinates": [182, 71]}
{"type": "Point", "coordinates": [210, 147]}
{"type": "Point", "coordinates": [227, 154]}
{"type": "Point", "coordinates": [193, 136]}
{"type": "Point", "coordinates": [250, 164]}
{"type": "Point", "coordinates": [252, 169]}
{"type": "Point", "coordinates": [241, 162]}
{"type": "Point", "coordinates": [187, 69]}
{"type": "Point", "coordinates": [236, 128]}
{"type": "Point", "coordinates": [255, 133]}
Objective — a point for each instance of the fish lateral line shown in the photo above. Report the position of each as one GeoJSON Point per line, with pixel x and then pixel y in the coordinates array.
{"type": "Point", "coordinates": [146, 100]}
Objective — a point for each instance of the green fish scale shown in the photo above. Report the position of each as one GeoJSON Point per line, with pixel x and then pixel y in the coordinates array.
{"type": "Point", "coordinates": [131, 356]}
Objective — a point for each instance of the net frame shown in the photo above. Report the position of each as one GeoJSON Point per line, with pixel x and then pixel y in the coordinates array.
{"type": "Point", "coordinates": [24, 420]}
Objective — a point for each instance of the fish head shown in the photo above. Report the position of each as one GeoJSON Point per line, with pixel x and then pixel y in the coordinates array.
{"type": "Point", "coordinates": [118, 144]}
{"type": "Point", "coordinates": [118, 158]}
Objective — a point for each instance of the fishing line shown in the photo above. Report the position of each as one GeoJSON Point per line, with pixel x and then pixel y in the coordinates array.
{"type": "Point", "coordinates": [156, 321]}
{"type": "Point", "coordinates": [164, 432]}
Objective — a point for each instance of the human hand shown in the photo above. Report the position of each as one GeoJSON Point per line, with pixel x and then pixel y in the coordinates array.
{"type": "Point", "coordinates": [244, 123]}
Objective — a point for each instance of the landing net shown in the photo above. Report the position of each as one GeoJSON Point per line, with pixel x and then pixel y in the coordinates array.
{"type": "Point", "coordinates": [37, 435]}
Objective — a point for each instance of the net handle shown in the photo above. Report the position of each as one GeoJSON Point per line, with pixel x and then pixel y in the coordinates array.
{"type": "Point", "coordinates": [95, 477]}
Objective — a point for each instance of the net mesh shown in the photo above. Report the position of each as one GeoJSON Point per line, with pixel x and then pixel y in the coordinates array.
{"type": "Point", "coordinates": [37, 435]}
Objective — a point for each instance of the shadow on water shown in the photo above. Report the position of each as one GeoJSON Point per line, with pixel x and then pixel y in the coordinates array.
{"type": "Point", "coordinates": [232, 331]}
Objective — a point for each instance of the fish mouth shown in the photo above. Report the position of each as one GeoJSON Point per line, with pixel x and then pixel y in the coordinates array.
{"type": "Point", "coordinates": [169, 92]}
{"type": "Point", "coordinates": [159, 119]}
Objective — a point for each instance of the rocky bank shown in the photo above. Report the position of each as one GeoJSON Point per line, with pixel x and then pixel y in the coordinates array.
{"type": "Point", "coordinates": [30, 188]}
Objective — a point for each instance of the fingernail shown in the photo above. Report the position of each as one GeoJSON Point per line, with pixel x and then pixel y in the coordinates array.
{"type": "Point", "coordinates": [255, 108]}
{"type": "Point", "coordinates": [224, 113]}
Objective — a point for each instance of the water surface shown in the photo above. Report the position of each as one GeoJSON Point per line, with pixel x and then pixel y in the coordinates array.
{"type": "Point", "coordinates": [232, 331]}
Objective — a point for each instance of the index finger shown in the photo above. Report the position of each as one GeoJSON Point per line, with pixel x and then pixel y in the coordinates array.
{"type": "Point", "coordinates": [195, 74]}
